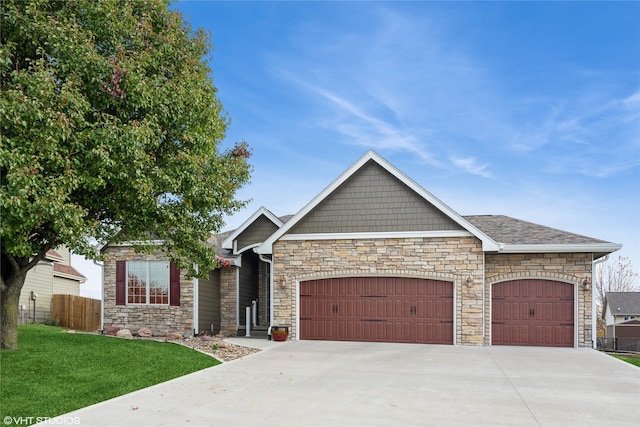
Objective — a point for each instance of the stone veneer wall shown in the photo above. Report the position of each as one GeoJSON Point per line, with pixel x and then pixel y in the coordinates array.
{"type": "Point", "coordinates": [569, 267]}
{"type": "Point", "coordinates": [451, 258]}
{"type": "Point", "coordinates": [161, 319]}
{"type": "Point", "coordinates": [229, 301]}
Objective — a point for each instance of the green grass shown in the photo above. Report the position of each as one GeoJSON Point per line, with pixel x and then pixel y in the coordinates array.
{"type": "Point", "coordinates": [54, 372]}
{"type": "Point", "coordinates": [634, 360]}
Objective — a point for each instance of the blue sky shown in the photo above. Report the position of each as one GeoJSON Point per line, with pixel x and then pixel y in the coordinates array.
{"type": "Point", "coordinates": [526, 109]}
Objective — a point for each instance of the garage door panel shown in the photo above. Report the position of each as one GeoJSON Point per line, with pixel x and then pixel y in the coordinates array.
{"type": "Point", "coordinates": [378, 309]}
{"type": "Point", "coordinates": [533, 312]}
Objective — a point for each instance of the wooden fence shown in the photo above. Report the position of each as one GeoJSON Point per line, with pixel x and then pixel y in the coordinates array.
{"type": "Point", "coordinates": [76, 312]}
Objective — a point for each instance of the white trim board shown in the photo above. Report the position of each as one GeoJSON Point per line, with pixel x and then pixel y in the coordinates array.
{"type": "Point", "coordinates": [377, 235]}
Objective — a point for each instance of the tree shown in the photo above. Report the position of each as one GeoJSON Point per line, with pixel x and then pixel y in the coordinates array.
{"type": "Point", "coordinates": [110, 130]}
{"type": "Point", "coordinates": [617, 276]}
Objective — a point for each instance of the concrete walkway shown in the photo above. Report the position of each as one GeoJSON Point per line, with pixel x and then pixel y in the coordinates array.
{"type": "Point", "coordinates": [311, 383]}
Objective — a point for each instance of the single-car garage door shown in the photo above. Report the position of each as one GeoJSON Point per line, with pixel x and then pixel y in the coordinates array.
{"type": "Point", "coordinates": [532, 312]}
{"type": "Point", "coordinates": [384, 309]}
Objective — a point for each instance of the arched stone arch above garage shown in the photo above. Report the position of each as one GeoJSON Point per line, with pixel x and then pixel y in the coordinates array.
{"type": "Point", "coordinates": [571, 268]}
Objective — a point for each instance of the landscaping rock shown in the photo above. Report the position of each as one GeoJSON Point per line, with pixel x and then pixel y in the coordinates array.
{"type": "Point", "coordinates": [144, 332]}
{"type": "Point", "coordinates": [174, 336]}
{"type": "Point", "coordinates": [206, 338]}
{"type": "Point", "coordinates": [124, 333]}
{"type": "Point", "coordinates": [112, 331]}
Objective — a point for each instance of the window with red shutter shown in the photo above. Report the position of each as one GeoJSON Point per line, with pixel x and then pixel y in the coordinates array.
{"type": "Point", "coordinates": [145, 283]}
{"type": "Point", "coordinates": [121, 280]}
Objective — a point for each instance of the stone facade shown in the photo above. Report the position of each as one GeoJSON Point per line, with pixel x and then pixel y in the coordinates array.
{"type": "Point", "coordinates": [564, 267]}
{"type": "Point", "coordinates": [229, 301]}
{"type": "Point", "coordinates": [451, 259]}
{"type": "Point", "coordinates": [161, 319]}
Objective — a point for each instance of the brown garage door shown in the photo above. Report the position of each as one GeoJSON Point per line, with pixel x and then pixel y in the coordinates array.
{"type": "Point", "coordinates": [385, 309]}
{"type": "Point", "coordinates": [532, 312]}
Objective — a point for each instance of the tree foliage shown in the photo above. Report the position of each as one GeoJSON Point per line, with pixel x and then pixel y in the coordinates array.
{"type": "Point", "coordinates": [111, 128]}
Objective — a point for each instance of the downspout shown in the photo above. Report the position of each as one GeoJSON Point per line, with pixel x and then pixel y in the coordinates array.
{"type": "Point", "coordinates": [594, 323]}
{"type": "Point", "coordinates": [484, 300]}
{"type": "Point", "coordinates": [196, 327]}
{"type": "Point", "coordinates": [270, 262]}
{"type": "Point", "coordinates": [237, 298]}
{"type": "Point", "coordinates": [101, 265]}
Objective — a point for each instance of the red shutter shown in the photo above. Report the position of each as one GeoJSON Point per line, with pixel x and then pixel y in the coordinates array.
{"type": "Point", "coordinates": [174, 285]}
{"type": "Point", "coordinates": [121, 282]}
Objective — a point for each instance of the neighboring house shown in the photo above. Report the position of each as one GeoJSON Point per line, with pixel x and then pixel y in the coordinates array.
{"type": "Point", "coordinates": [53, 275]}
{"type": "Point", "coordinates": [622, 315]}
{"type": "Point", "coordinates": [373, 257]}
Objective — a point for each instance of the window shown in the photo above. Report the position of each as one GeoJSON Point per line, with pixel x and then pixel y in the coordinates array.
{"type": "Point", "coordinates": [629, 317]}
{"type": "Point", "coordinates": [148, 282]}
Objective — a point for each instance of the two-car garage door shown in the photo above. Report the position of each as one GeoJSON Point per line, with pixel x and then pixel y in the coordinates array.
{"type": "Point", "coordinates": [384, 309]}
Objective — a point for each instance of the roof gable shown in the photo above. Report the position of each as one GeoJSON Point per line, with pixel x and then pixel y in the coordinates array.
{"type": "Point", "coordinates": [373, 200]}
{"type": "Point", "coordinates": [439, 211]}
{"type": "Point", "coordinates": [253, 231]}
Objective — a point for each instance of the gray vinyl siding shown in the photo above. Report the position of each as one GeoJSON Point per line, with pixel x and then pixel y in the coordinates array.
{"type": "Point", "coordinates": [40, 280]}
{"type": "Point", "coordinates": [373, 200]}
{"type": "Point", "coordinates": [63, 286]}
{"type": "Point", "coordinates": [256, 232]}
{"type": "Point", "coordinates": [209, 303]}
{"type": "Point", "coordinates": [248, 283]}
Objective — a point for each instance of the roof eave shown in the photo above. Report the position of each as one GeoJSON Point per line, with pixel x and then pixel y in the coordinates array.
{"type": "Point", "coordinates": [78, 279]}
{"type": "Point", "coordinates": [600, 248]}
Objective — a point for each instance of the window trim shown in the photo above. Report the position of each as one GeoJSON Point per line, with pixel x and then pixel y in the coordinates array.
{"type": "Point", "coordinates": [147, 288]}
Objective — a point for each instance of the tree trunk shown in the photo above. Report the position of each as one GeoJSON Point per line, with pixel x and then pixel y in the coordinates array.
{"type": "Point", "coordinates": [9, 302]}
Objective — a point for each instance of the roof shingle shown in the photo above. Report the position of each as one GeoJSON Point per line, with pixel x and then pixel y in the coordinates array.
{"type": "Point", "coordinates": [623, 303]}
{"type": "Point", "coordinates": [512, 231]}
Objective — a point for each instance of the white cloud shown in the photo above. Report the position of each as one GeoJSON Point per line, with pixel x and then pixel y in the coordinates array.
{"type": "Point", "coordinates": [369, 131]}
{"type": "Point", "coordinates": [470, 165]}
{"type": "Point", "coordinates": [632, 101]}
{"type": "Point", "coordinates": [414, 84]}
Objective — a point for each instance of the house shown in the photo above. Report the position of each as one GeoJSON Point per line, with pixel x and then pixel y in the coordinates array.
{"type": "Point", "coordinates": [373, 257]}
{"type": "Point", "coordinates": [53, 275]}
{"type": "Point", "coordinates": [621, 314]}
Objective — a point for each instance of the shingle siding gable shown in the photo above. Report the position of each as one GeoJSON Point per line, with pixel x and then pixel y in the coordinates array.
{"type": "Point", "coordinates": [257, 232]}
{"type": "Point", "coordinates": [373, 200]}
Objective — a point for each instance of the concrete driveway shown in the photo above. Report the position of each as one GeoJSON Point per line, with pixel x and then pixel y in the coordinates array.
{"type": "Point", "coordinates": [311, 383]}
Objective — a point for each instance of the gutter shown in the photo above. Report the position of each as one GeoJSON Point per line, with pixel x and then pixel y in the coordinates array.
{"type": "Point", "coordinates": [196, 283]}
{"type": "Point", "coordinates": [540, 248]}
{"type": "Point", "coordinates": [101, 265]}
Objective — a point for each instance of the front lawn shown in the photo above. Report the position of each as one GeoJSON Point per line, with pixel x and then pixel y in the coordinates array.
{"type": "Point", "coordinates": [634, 360]}
{"type": "Point", "coordinates": [54, 372]}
